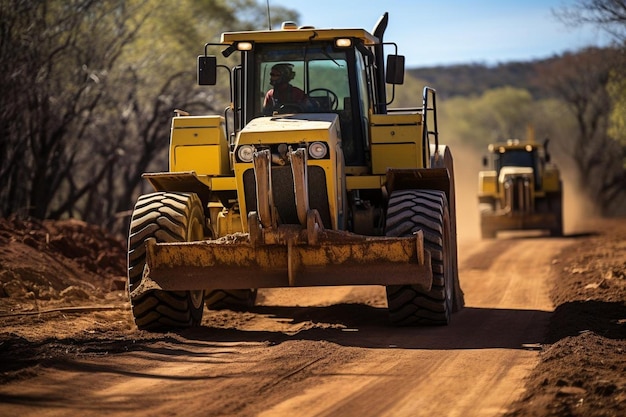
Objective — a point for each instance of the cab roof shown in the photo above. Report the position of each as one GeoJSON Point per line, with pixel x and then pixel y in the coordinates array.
{"type": "Point", "coordinates": [298, 35]}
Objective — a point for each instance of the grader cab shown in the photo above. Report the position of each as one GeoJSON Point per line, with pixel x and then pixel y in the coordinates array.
{"type": "Point", "coordinates": [520, 190]}
{"type": "Point", "coordinates": [330, 187]}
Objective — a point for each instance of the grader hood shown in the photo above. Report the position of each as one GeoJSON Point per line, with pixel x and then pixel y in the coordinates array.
{"type": "Point", "coordinates": [334, 258]}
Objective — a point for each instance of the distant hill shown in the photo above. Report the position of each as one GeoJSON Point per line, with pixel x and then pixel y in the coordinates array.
{"type": "Point", "coordinates": [474, 79]}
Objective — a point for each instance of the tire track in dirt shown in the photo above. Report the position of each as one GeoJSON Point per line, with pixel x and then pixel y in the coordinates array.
{"type": "Point", "coordinates": [475, 366]}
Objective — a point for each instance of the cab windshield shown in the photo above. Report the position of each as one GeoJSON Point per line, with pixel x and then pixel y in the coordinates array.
{"type": "Point", "coordinates": [300, 78]}
{"type": "Point", "coordinates": [516, 158]}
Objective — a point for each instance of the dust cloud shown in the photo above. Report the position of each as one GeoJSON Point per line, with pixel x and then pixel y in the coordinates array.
{"type": "Point", "coordinates": [577, 209]}
{"type": "Point", "coordinates": [467, 164]}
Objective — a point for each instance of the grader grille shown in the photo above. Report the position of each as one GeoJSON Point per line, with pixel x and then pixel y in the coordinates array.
{"type": "Point", "coordinates": [282, 179]}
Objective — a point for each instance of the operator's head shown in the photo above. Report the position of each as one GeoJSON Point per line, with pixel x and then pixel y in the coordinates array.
{"type": "Point", "coordinates": [281, 74]}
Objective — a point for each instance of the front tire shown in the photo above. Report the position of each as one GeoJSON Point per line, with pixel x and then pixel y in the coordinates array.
{"type": "Point", "coordinates": [166, 217]}
{"type": "Point", "coordinates": [427, 210]}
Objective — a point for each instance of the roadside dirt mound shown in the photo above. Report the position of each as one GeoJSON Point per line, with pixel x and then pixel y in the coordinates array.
{"type": "Point", "coordinates": [583, 364]}
{"type": "Point", "coordinates": [57, 263]}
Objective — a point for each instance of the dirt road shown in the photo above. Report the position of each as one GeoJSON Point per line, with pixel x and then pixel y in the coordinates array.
{"type": "Point", "coordinates": [309, 352]}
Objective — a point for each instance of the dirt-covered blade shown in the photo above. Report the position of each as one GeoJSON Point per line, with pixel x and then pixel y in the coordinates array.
{"type": "Point", "coordinates": [335, 260]}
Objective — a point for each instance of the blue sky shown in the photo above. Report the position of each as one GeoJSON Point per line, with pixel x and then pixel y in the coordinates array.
{"type": "Point", "coordinates": [446, 32]}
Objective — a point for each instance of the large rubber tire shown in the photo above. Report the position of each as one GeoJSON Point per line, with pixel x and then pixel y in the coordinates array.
{"type": "Point", "coordinates": [427, 210]}
{"type": "Point", "coordinates": [167, 217]}
{"type": "Point", "coordinates": [237, 300]}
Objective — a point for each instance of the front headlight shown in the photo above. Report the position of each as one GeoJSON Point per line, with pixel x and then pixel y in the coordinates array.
{"type": "Point", "coordinates": [318, 150]}
{"type": "Point", "coordinates": [245, 153]}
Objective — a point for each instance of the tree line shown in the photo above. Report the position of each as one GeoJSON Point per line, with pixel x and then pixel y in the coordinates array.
{"type": "Point", "coordinates": [88, 91]}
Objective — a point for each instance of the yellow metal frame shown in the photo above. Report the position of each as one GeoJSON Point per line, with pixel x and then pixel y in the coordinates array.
{"type": "Point", "coordinates": [299, 35]}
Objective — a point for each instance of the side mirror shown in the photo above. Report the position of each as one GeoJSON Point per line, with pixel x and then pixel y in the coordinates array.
{"type": "Point", "coordinates": [207, 70]}
{"type": "Point", "coordinates": [485, 161]}
{"type": "Point", "coordinates": [395, 69]}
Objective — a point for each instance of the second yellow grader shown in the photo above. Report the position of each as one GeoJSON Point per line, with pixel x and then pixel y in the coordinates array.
{"type": "Point", "coordinates": [520, 189]}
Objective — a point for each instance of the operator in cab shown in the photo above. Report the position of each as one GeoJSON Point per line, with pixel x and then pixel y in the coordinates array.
{"type": "Point", "coordinates": [284, 97]}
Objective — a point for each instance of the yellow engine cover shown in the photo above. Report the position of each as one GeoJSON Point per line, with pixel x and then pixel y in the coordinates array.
{"type": "Point", "coordinates": [198, 143]}
{"type": "Point", "coordinates": [396, 141]}
{"type": "Point", "coordinates": [487, 183]}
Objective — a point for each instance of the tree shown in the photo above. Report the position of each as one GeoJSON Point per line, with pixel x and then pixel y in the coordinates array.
{"type": "Point", "coordinates": [617, 119]}
{"type": "Point", "coordinates": [88, 91]}
{"type": "Point", "coordinates": [53, 80]}
{"type": "Point", "coordinates": [498, 114]}
{"type": "Point", "coordinates": [608, 15]}
{"type": "Point", "coordinates": [581, 81]}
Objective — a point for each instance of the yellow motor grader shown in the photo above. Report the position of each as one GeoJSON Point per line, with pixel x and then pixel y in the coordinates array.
{"type": "Point", "coordinates": [335, 188]}
{"type": "Point", "coordinates": [520, 190]}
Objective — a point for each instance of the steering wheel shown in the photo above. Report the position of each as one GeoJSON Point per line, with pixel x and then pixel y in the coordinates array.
{"type": "Point", "coordinates": [334, 100]}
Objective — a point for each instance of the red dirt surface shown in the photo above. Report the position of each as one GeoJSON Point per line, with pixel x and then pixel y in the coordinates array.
{"type": "Point", "coordinates": [50, 269]}
{"type": "Point", "coordinates": [583, 367]}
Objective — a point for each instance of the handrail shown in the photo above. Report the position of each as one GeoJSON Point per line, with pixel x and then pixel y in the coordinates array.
{"type": "Point", "coordinates": [426, 133]}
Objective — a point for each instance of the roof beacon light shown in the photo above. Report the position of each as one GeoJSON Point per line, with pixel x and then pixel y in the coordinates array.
{"type": "Point", "coordinates": [343, 42]}
{"type": "Point", "coordinates": [289, 25]}
{"type": "Point", "coordinates": [244, 46]}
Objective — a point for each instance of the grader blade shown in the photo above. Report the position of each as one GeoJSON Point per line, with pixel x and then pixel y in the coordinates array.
{"type": "Point", "coordinates": [337, 259]}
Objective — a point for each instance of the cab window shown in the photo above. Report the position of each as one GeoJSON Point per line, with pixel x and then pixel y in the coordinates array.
{"type": "Point", "coordinates": [312, 79]}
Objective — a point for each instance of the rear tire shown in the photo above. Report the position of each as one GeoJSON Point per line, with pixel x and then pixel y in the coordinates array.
{"type": "Point", "coordinates": [167, 217]}
{"type": "Point", "coordinates": [409, 211]}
